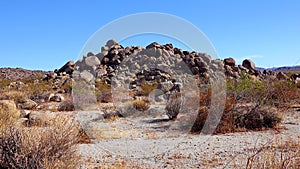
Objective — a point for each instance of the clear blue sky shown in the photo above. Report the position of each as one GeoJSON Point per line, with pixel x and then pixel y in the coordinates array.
{"type": "Point", "coordinates": [44, 35]}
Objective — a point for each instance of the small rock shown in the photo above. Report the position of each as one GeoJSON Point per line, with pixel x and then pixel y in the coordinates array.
{"type": "Point", "coordinates": [66, 106]}
{"type": "Point", "coordinates": [56, 98]}
{"type": "Point", "coordinates": [229, 62]}
{"type": "Point", "coordinates": [282, 76]}
{"type": "Point", "coordinates": [110, 43]}
{"type": "Point", "coordinates": [92, 61]}
{"type": "Point", "coordinates": [24, 113]}
{"type": "Point", "coordinates": [87, 76]}
{"type": "Point", "coordinates": [27, 104]}
{"type": "Point", "coordinates": [40, 118]}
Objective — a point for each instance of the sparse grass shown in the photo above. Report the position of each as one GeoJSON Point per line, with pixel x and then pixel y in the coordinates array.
{"type": "Point", "coordinates": [16, 96]}
{"type": "Point", "coordinates": [34, 88]}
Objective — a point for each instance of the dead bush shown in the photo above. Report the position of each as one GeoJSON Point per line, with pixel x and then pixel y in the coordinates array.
{"type": "Point", "coordinates": [36, 147]}
{"type": "Point", "coordinates": [276, 155]}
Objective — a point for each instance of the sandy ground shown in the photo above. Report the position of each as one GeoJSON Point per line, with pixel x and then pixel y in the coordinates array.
{"type": "Point", "coordinates": [149, 142]}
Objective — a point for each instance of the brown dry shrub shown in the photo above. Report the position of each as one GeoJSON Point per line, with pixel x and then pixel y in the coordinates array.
{"type": "Point", "coordinates": [141, 105]}
{"type": "Point", "coordinates": [200, 120]}
{"type": "Point", "coordinates": [226, 123]}
{"type": "Point", "coordinates": [146, 88]}
{"type": "Point", "coordinates": [36, 147]}
{"type": "Point", "coordinates": [281, 93]}
{"type": "Point", "coordinates": [8, 113]}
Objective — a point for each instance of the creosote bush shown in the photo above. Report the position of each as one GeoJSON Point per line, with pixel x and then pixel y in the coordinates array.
{"type": "Point", "coordinates": [265, 92]}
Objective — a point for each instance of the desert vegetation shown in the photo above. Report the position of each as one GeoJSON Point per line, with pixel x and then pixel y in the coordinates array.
{"type": "Point", "coordinates": [38, 128]}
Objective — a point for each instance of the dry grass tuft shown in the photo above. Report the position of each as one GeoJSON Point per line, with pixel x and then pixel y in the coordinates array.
{"type": "Point", "coordinates": [141, 105]}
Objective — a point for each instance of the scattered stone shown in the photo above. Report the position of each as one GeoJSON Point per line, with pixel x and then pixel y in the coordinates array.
{"type": "Point", "coordinates": [110, 43]}
{"type": "Point", "coordinates": [16, 85]}
{"type": "Point", "coordinates": [40, 118]}
{"type": "Point", "coordinates": [24, 113]}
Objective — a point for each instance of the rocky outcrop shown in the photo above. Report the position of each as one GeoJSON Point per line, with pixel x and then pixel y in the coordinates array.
{"type": "Point", "coordinates": [68, 68]}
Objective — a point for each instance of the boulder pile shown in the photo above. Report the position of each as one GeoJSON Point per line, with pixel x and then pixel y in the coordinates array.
{"type": "Point", "coordinates": [156, 63]}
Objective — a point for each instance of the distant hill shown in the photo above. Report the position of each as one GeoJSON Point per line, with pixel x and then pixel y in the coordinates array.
{"type": "Point", "coordinates": [286, 69]}
{"type": "Point", "coordinates": [20, 73]}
